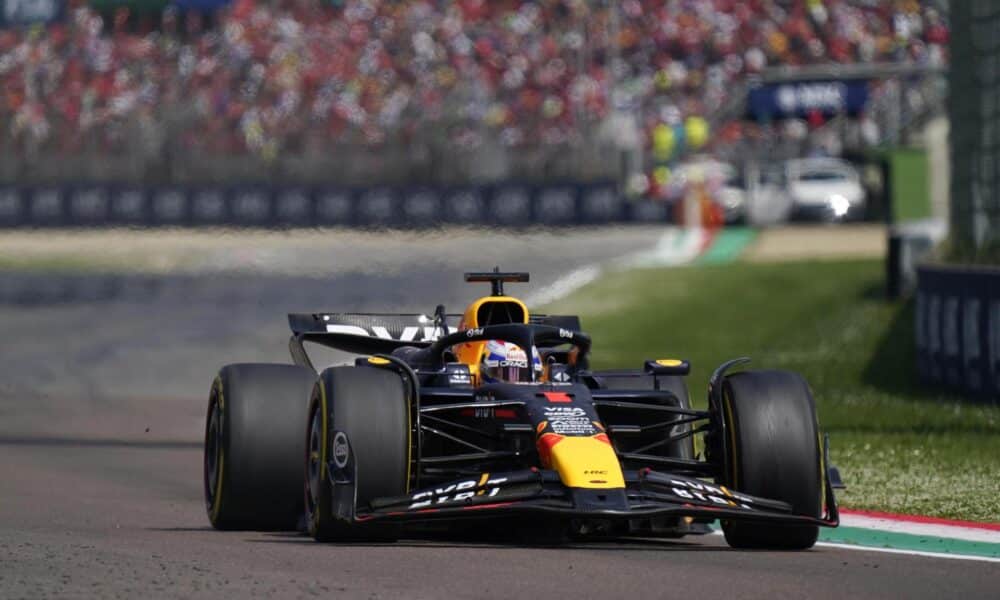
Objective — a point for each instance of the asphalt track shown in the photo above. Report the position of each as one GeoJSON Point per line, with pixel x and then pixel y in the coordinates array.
{"type": "Point", "coordinates": [101, 416]}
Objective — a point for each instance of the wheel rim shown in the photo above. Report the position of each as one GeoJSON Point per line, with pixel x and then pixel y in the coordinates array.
{"type": "Point", "coordinates": [213, 451]}
{"type": "Point", "coordinates": [314, 461]}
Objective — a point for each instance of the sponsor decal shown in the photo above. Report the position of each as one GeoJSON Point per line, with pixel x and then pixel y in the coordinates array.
{"type": "Point", "coordinates": [409, 334]}
{"type": "Point", "coordinates": [377, 205]}
{"type": "Point", "coordinates": [251, 205]}
{"type": "Point", "coordinates": [921, 329]}
{"type": "Point", "coordinates": [812, 96]}
{"type": "Point", "coordinates": [208, 205]}
{"type": "Point", "coordinates": [993, 326]}
{"type": "Point", "coordinates": [601, 204]}
{"type": "Point", "coordinates": [706, 492]}
{"type": "Point", "coordinates": [46, 205]}
{"type": "Point", "coordinates": [341, 450]}
{"type": "Point", "coordinates": [555, 204]}
{"type": "Point", "coordinates": [569, 420]}
{"type": "Point", "coordinates": [10, 205]}
{"type": "Point", "coordinates": [565, 333]}
{"type": "Point", "coordinates": [292, 205]}
{"type": "Point", "coordinates": [485, 412]}
{"type": "Point", "coordinates": [422, 205]}
{"type": "Point", "coordinates": [506, 355]}
{"type": "Point", "coordinates": [561, 376]}
{"type": "Point", "coordinates": [971, 343]}
{"type": "Point", "coordinates": [557, 397]}
{"type": "Point", "coordinates": [465, 205]}
{"type": "Point", "coordinates": [334, 206]}
{"type": "Point", "coordinates": [474, 332]}
{"type": "Point", "coordinates": [128, 205]}
{"type": "Point", "coordinates": [459, 378]}
{"type": "Point", "coordinates": [949, 326]}
{"type": "Point", "coordinates": [457, 492]}
{"type": "Point", "coordinates": [511, 205]}
{"type": "Point", "coordinates": [521, 364]}
{"type": "Point", "coordinates": [169, 205]}
{"type": "Point", "coordinates": [89, 204]}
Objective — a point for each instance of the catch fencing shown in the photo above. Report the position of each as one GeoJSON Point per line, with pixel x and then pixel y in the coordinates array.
{"type": "Point", "coordinates": [974, 110]}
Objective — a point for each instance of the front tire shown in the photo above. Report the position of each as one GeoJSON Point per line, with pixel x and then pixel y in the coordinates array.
{"type": "Point", "coordinates": [371, 406]}
{"type": "Point", "coordinates": [254, 446]}
{"type": "Point", "coordinates": [773, 451]}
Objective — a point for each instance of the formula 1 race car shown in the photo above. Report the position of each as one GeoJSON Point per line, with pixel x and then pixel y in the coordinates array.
{"type": "Point", "coordinates": [494, 414]}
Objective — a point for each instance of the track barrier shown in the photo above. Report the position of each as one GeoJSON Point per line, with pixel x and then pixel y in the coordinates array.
{"type": "Point", "coordinates": [958, 329]}
{"type": "Point", "coordinates": [252, 205]}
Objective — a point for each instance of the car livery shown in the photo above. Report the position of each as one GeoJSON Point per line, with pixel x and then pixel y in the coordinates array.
{"type": "Point", "coordinates": [414, 431]}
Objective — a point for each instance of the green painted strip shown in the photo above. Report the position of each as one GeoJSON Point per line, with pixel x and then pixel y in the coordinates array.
{"type": "Point", "coordinates": [906, 541]}
{"type": "Point", "coordinates": [727, 245]}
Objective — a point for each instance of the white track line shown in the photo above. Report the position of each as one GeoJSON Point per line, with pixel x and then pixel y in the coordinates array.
{"type": "Point", "coordinates": [564, 286]}
{"type": "Point", "coordinates": [910, 552]}
{"type": "Point", "coordinates": [675, 247]}
{"type": "Point", "coordinates": [860, 548]}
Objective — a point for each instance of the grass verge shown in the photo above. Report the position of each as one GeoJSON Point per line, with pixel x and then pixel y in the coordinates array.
{"type": "Point", "coordinates": [900, 447]}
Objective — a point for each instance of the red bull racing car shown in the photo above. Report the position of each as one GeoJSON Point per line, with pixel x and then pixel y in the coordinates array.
{"type": "Point", "coordinates": [495, 414]}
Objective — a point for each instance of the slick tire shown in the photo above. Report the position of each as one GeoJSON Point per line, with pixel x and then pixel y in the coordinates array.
{"type": "Point", "coordinates": [254, 446]}
{"type": "Point", "coordinates": [773, 451]}
{"type": "Point", "coordinates": [675, 384]}
{"type": "Point", "coordinates": [370, 405]}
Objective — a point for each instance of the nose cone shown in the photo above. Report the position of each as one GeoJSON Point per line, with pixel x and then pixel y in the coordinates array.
{"type": "Point", "coordinates": [586, 462]}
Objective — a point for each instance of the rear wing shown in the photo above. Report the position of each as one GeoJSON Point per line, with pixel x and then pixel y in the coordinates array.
{"type": "Point", "coordinates": [381, 333]}
{"type": "Point", "coordinates": [400, 327]}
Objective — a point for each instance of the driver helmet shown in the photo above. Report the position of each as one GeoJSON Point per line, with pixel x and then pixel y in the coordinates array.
{"type": "Point", "coordinates": [507, 362]}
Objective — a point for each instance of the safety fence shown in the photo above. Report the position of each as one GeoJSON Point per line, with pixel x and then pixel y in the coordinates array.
{"type": "Point", "coordinates": [958, 329]}
{"type": "Point", "coordinates": [506, 204]}
{"type": "Point", "coordinates": [974, 112]}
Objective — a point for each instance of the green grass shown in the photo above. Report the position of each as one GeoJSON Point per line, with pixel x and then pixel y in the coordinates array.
{"type": "Point", "coordinates": [900, 447]}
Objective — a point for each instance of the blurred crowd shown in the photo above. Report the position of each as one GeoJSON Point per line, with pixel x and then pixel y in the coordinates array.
{"type": "Point", "coordinates": [280, 77]}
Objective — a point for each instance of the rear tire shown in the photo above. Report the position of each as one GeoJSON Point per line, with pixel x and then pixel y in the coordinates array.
{"type": "Point", "coordinates": [254, 446]}
{"type": "Point", "coordinates": [370, 405]}
{"type": "Point", "coordinates": [773, 451]}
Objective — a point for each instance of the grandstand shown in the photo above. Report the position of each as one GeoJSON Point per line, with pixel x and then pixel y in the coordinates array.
{"type": "Point", "coordinates": [358, 91]}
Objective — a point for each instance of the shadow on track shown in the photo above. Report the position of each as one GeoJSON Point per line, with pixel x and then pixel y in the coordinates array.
{"type": "Point", "coordinates": [425, 541]}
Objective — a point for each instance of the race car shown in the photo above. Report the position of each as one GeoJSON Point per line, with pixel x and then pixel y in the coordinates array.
{"type": "Point", "coordinates": [494, 416]}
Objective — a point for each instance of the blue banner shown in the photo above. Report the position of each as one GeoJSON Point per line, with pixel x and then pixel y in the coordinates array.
{"type": "Point", "coordinates": [17, 13]}
{"type": "Point", "coordinates": [200, 5]}
{"type": "Point", "coordinates": [802, 98]}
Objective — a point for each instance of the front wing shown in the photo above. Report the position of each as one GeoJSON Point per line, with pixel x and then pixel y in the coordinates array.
{"type": "Point", "coordinates": [647, 494]}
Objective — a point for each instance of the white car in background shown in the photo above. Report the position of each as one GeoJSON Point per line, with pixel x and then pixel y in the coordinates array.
{"type": "Point", "coordinates": [828, 189]}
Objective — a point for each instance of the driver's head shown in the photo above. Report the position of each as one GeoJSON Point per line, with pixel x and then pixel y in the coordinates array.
{"type": "Point", "coordinates": [506, 362]}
